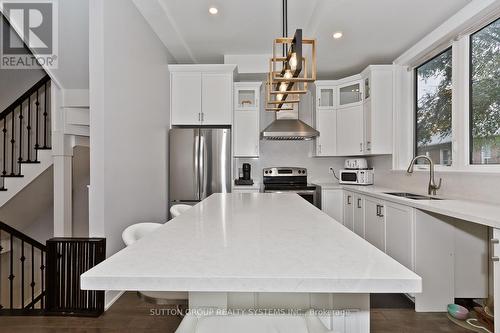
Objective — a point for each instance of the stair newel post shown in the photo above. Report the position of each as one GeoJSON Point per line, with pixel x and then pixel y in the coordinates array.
{"type": "Point", "coordinates": [1, 249]}
{"type": "Point", "coordinates": [37, 119]}
{"type": "Point", "coordinates": [22, 259]}
{"type": "Point", "coordinates": [42, 277]}
{"type": "Point", "coordinates": [11, 276]}
{"type": "Point", "coordinates": [12, 142]}
{"type": "Point", "coordinates": [45, 114]}
{"type": "Point", "coordinates": [32, 275]}
{"type": "Point", "coordinates": [28, 128]}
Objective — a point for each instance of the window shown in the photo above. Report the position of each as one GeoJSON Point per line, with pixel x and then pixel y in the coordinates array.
{"type": "Point", "coordinates": [485, 95]}
{"type": "Point", "coordinates": [433, 136]}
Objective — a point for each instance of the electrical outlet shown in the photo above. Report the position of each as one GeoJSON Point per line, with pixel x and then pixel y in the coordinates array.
{"type": "Point", "coordinates": [331, 171]}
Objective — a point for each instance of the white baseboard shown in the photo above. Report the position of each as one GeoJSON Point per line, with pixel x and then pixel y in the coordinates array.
{"type": "Point", "coordinates": [110, 297]}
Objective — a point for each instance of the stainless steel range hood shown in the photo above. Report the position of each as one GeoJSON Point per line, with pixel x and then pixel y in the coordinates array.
{"type": "Point", "coordinates": [288, 126]}
{"type": "Point", "coordinates": [289, 129]}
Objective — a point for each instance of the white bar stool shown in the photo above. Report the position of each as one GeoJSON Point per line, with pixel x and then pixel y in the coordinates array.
{"type": "Point", "coordinates": [177, 210]}
{"type": "Point", "coordinates": [131, 235]}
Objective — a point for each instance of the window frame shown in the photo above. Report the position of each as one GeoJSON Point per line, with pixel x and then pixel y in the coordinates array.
{"type": "Point", "coordinates": [415, 107]}
{"type": "Point", "coordinates": [469, 125]}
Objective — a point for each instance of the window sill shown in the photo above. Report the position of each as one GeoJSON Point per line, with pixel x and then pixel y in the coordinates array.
{"type": "Point", "coordinates": [472, 170]}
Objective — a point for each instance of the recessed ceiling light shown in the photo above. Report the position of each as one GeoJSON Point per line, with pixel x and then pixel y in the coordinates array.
{"type": "Point", "coordinates": [213, 10]}
{"type": "Point", "coordinates": [337, 35]}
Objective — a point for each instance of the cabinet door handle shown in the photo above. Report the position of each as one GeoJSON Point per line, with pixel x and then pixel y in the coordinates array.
{"type": "Point", "coordinates": [495, 258]}
{"type": "Point", "coordinates": [381, 211]}
{"type": "Point", "coordinates": [361, 147]}
{"type": "Point", "coordinates": [359, 202]}
{"type": "Point", "coordinates": [494, 241]}
{"type": "Point", "coordinates": [319, 149]}
{"type": "Point", "coordinates": [199, 116]}
{"type": "Point", "coordinates": [202, 116]}
{"type": "Point", "coordinates": [378, 210]}
{"type": "Point", "coordinates": [348, 199]}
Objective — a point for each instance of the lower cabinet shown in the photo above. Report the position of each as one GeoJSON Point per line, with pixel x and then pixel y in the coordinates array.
{"type": "Point", "coordinates": [332, 203]}
{"type": "Point", "coordinates": [375, 222]}
{"type": "Point", "coordinates": [399, 233]}
{"type": "Point", "coordinates": [348, 209]}
{"type": "Point", "coordinates": [359, 215]}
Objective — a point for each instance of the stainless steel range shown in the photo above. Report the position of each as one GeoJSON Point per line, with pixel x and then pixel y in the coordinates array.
{"type": "Point", "coordinates": [286, 180]}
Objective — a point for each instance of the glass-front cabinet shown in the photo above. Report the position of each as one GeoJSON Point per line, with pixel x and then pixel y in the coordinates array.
{"type": "Point", "coordinates": [326, 97]}
{"type": "Point", "coordinates": [247, 98]}
{"type": "Point", "coordinates": [246, 124]}
{"type": "Point", "coordinates": [350, 94]}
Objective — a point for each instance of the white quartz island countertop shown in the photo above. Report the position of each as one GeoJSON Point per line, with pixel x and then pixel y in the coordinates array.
{"type": "Point", "coordinates": [255, 242]}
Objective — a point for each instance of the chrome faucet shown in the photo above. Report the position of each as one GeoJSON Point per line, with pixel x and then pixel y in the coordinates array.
{"type": "Point", "coordinates": [432, 183]}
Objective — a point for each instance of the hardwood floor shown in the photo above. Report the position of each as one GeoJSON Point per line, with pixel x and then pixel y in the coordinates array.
{"type": "Point", "coordinates": [130, 314]}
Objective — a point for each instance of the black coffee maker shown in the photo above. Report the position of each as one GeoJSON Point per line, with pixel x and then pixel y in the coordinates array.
{"type": "Point", "coordinates": [246, 178]}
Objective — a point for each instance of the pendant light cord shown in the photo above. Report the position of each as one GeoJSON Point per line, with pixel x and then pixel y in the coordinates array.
{"type": "Point", "coordinates": [285, 26]}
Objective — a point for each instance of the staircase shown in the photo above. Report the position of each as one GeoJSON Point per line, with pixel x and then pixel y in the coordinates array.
{"type": "Point", "coordinates": [25, 139]}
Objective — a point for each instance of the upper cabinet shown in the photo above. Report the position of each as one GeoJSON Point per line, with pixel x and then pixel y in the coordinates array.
{"type": "Point", "coordinates": [350, 94]}
{"type": "Point", "coordinates": [326, 118]}
{"type": "Point", "coordinates": [246, 119]}
{"type": "Point", "coordinates": [354, 114]}
{"type": "Point", "coordinates": [378, 109]}
{"type": "Point", "coordinates": [201, 94]}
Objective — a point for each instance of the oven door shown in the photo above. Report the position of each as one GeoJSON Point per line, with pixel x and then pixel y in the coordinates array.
{"type": "Point", "coordinates": [309, 195]}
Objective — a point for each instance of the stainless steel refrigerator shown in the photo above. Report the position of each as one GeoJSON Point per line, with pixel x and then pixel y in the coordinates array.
{"type": "Point", "coordinates": [199, 163]}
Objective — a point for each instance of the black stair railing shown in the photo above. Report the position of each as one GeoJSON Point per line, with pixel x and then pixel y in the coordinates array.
{"type": "Point", "coordinates": [25, 127]}
{"type": "Point", "coordinates": [22, 273]}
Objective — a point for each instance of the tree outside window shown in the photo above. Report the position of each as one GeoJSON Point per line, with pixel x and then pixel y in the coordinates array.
{"type": "Point", "coordinates": [433, 132]}
{"type": "Point", "coordinates": [485, 95]}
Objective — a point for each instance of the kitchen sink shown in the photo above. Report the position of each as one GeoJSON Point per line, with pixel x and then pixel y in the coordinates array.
{"type": "Point", "coordinates": [412, 196]}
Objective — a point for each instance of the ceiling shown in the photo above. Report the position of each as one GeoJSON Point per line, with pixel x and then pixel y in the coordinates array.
{"type": "Point", "coordinates": [375, 31]}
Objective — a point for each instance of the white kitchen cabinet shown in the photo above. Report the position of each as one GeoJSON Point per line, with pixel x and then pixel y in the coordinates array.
{"type": "Point", "coordinates": [216, 98]}
{"type": "Point", "coordinates": [350, 93]}
{"type": "Point", "coordinates": [201, 94]}
{"type": "Point", "coordinates": [246, 130]}
{"type": "Point", "coordinates": [332, 203]}
{"type": "Point", "coordinates": [359, 215]}
{"type": "Point", "coordinates": [350, 126]}
{"type": "Point", "coordinates": [326, 124]}
{"type": "Point", "coordinates": [326, 95]}
{"type": "Point", "coordinates": [378, 109]}
{"type": "Point", "coordinates": [326, 118]}
{"type": "Point", "coordinates": [185, 97]}
{"type": "Point", "coordinates": [348, 210]}
{"type": "Point", "coordinates": [399, 233]}
{"type": "Point", "coordinates": [375, 222]}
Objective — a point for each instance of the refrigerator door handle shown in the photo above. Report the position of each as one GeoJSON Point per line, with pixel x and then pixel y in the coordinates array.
{"type": "Point", "coordinates": [196, 157]}
{"type": "Point", "coordinates": [202, 167]}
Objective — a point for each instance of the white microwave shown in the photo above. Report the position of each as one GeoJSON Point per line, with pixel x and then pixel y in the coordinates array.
{"type": "Point", "coordinates": [356, 177]}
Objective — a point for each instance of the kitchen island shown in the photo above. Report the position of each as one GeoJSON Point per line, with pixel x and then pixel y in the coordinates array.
{"type": "Point", "coordinates": [258, 250]}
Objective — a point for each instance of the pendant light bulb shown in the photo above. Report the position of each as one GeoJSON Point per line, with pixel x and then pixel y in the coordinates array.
{"type": "Point", "coordinates": [288, 74]}
{"type": "Point", "coordinates": [293, 61]}
{"type": "Point", "coordinates": [279, 97]}
{"type": "Point", "coordinates": [283, 86]}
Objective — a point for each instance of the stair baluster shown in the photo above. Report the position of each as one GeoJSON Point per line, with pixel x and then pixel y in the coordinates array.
{"type": "Point", "coordinates": [21, 117]}
{"type": "Point", "coordinates": [45, 114]}
{"type": "Point", "coordinates": [28, 128]}
{"type": "Point", "coordinates": [37, 116]}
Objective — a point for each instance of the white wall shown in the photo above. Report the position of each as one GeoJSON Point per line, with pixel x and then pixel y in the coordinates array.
{"type": "Point", "coordinates": [476, 186]}
{"type": "Point", "coordinates": [129, 103]}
